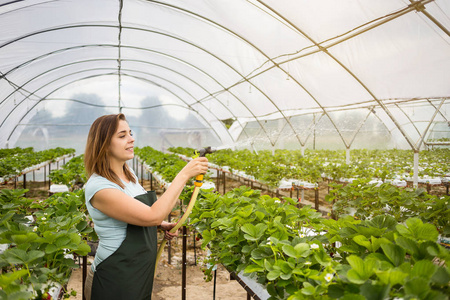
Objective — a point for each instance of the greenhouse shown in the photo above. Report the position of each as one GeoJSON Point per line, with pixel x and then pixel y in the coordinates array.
{"type": "Point", "coordinates": [329, 128]}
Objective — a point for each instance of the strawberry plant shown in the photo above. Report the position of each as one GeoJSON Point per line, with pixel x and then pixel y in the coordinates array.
{"type": "Point", "coordinates": [365, 201]}
{"type": "Point", "coordinates": [14, 161]}
{"type": "Point", "coordinates": [72, 174]}
{"type": "Point", "coordinates": [297, 254]}
{"type": "Point", "coordinates": [42, 239]}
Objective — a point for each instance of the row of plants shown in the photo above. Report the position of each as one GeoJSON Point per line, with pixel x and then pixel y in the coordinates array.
{"type": "Point", "coordinates": [366, 201]}
{"type": "Point", "coordinates": [14, 161]}
{"type": "Point", "coordinates": [297, 254]}
{"type": "Point", "coordinates": [72, 174]}
{"type": "Point", "coordinates": [42, 238]}
{"type": "Point", "coordinates": [166, 165]}
{"type": "Point", "coordinates": [314, 166]}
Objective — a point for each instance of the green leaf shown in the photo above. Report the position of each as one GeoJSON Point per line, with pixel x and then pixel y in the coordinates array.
{"type": "Point", "coordinates": [408, 244]}
{"type": "Point", "coordinates": [441, 276]}
{"type": "Point", "coordinates": [7, 279]}
{"type": "Point", "coordinates": [356, 263]}
{"type": "Point", "coordinates": [363, 241]}
{"type": "Point", "coordinates": [418, 287]}
{"type": "Point", "coordinates": [33, 255]}
{"type": "Point", "coordinates": [62, 241]}
{"type": "Point", "coordinates": [336, 291]}
{"type": "Point", "coordinates": [374, 292]}
{"type": "Point", "coordinates": [289, 250]}
{"type": "Point", "coordinates": [15, 256]}
{"type": "Point", "coordinates": [308, 289]}
{"type": "Point", "coordinates": [75, 238]}
{"type": "Point", "coordinates": [302, 250]}
{"type": "Point", "coordinates": [246, 211]}
{"type": "Point", "coordinates": [253, 268]}
{"type": "Point", "coordinates": [274, 274]}
{"type": "Point", "coordinates": [391, 277]}
{"type": "Point", "coordinates": [395, 253]}
{"type": "Point", "coordinates": [83, 249]}
{"type": "Point", "coordinates": [423, 268]}
{"type": "Point", "coordinates": [382, 221]}
{"type": "Point", "coordinates": [50, 248]}
{"type": "Point", "coordinates": [353, 297]}
{"type": "Point", "coordinates": [417, 230]}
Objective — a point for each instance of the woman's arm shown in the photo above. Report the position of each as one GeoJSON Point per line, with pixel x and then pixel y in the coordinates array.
{"type": "Point", "coordinates": [118, 205]}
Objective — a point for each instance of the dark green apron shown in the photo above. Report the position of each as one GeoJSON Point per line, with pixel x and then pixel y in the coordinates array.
{"type": "Point", "coordinates": [128, 273]}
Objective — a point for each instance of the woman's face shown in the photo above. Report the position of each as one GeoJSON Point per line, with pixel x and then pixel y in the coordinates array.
{"type": "Point", "coordinates": [122, 143]}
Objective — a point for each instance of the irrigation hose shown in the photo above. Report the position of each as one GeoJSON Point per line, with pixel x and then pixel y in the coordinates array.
{"type": "Point", "coordinates": [198, 183]}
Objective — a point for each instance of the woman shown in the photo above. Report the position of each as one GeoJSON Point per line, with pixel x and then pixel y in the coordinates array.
{"type": "Point", "coordinates": [125, 215]}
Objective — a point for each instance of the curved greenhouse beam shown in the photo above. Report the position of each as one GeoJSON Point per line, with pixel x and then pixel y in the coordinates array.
{"type": "Point", "coordinates": [98, 75]}
{"type": "Point", "coordinates": [156, 32]}
{"type": "Point", "coordinates": [323, 49]}
{"type": "Point", "coordinates": [422, 136]}
{"type": "Point", "coordinates": [203, 18]}
{"type": "Point", "coordinates": [235, 34]}
{"type": "Point", "coordinates": [408, 117]}
{"type": "Point", "coordinates": [442, 115]}
{"type": "Point", "coordinates": [131, 70]}
{"type": "Point", "coordinates": [141, 49]}
{"type": "Point", "coordinates": [88, 77]}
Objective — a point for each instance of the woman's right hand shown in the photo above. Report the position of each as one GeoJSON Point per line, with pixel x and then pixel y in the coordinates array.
{"type": "Point", "coordinates": [195, 167]}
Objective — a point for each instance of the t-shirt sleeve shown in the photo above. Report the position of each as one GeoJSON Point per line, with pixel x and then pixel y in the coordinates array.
{"type": "Point", "coordinates": [96, 184]}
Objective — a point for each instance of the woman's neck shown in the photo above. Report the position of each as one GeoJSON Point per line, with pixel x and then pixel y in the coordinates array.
{"type": "Point", "coordinates": [117, 168]}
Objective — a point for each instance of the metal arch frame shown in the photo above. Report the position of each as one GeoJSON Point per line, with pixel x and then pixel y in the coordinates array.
{"type": "Point", "coordinates": [99, 75]}
{"type": "Point", "coordinates": [244, 78]}
{"type": "Point", "coordinates": [324, 50]}
{"type": "Point", "coordinates": [217, 25]}
{"type": "Point", "coordinates": [146, 30]}
{"type": "Point", "coordinates": [442, 115]}
{"type": "Point", "coordinates": [414, 6]}
{"type": "Point", "coordinates": [422, 134]}
{"type": "Point", "coordinates": [88, 77]}
{"type": "Point", "coordinates": [138, 48]}
{"type": "Point", "coordinates": [111, 59]}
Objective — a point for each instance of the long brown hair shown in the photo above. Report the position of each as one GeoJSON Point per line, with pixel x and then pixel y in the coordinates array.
{"type": "Point", "coordinates": [96, 155]}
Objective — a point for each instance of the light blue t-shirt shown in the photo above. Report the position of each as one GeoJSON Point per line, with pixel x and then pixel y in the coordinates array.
{"type": "Point", "coordinates": [111, 232]}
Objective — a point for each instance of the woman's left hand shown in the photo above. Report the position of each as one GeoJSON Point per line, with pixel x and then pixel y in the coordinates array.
{"type": "Point", "coordinates": [167, 227]}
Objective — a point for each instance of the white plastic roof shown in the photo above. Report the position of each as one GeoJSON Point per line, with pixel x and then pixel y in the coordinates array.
{"type": "Point", "coordinates": [289, 73]}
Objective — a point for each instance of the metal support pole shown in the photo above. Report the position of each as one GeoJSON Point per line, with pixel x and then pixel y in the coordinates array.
{"type": "Point", "coordinates": [49, 170]}
{"type": "Point", "coordinates": [151, 181]}
{"type": "Point", "coordinates": [142, 174]}
{"type": "Point", "coordinates": [169, 245]}
{"type": "Point", "coordinates": [84, 274]}
{"type": "Point", "coordinates": [24, 180]}
{"type": "Point", "coordinates": [214, 287]}
{"type": "Point", "coordinates": [416, 169]}
{"type": "Point", "coordinates": [224, 179]}
{"type": "Point", "coordinates": [183, 273]}
{"type": "Point", "coordinates": [195, 248]}
{"type": "Point", "coordinates": [217, 179]}
{"type": "Point", "coordinates": [316, 198]}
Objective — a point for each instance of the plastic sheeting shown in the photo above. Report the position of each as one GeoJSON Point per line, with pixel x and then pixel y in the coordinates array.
{"type": "Point", "coordinates": [265, 74]}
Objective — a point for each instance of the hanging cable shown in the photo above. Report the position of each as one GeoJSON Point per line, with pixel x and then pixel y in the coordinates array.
{"type": "Point", "coordinates": [119, 58]}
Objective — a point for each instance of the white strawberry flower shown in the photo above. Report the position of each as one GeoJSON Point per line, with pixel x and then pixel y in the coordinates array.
{"type": "Point", "coordinates": [328, 277]}
{"type": "Point", "coordinates": [314, 246]}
